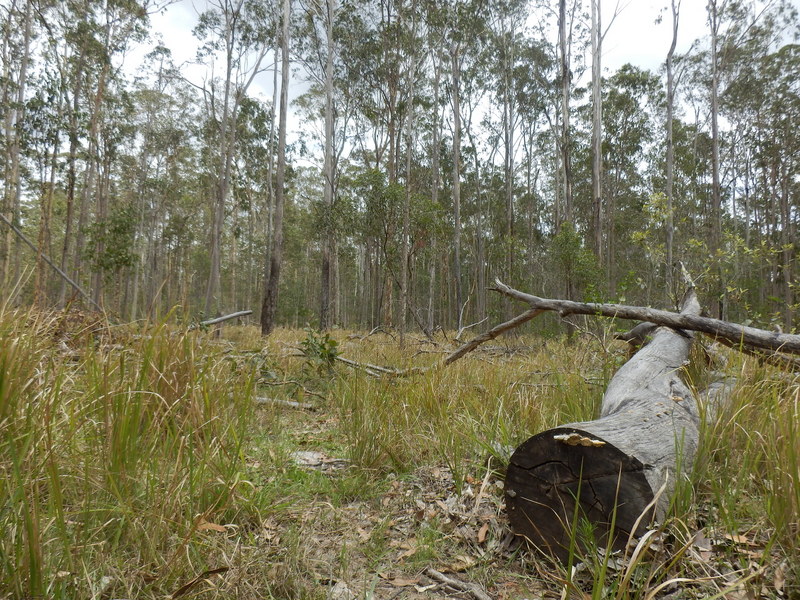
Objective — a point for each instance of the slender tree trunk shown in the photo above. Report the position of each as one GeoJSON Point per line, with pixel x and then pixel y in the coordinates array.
{"type": "Point", "coordinates": [410, 132]}
{"type": "Point", "coordinates": [328, 176]}
{"type": "Point", "coordinates": [597, 132]}
{"type": "Point", "coordinates": [457, 183]}
{"type": "Point", "coordinates": [270, 304]}
{"type": "Point", "coordinates": [716, 192]}
{"type": "Point", "coordinates": [17, 114]}
{"type": "Point", "coordinates": [72, 177]}
{"type": "Point", "coordinates": [670, 227]}
{"type": "Point", "coordinates": [46, 202]}
{"type": "Point", "coordinates": [566, 77]}
{"type": "Point", "coordinates": [436, 179]}
{"type": "Point", "coordinates": [509, 124]}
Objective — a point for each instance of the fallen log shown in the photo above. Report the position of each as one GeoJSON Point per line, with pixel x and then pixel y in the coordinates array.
{"type": "Point", "coordinates": [609, 471]}
{"type": "Point", "coordinates": [733, 332]}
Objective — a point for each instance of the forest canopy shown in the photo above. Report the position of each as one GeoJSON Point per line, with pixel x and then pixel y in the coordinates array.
{"type": "Point", "coordinates": [444, 143]}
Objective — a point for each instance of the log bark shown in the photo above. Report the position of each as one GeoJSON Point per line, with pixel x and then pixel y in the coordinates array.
{"type": "Point", "coordinates": [733, 332]}
{"type": "Point", "coordinates": [609, 471]}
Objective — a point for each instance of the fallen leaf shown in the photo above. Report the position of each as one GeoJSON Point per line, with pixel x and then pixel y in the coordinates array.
{"type": "Point", "coordinates": [400, 582]}
{"type": "Point", "coordinates": [460, 564]}
{"type": "Point", "coordinates": [780, 578]}
{"type": "Point", "coordinates": [740, 539]}
{"type": "Point", "coordinates": [203, 525]}
{"type": "Point", "coordinates": [482, 533]}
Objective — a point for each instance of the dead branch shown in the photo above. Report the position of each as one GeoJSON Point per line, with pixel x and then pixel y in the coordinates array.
{"type": "Point", "coordinates": [491, 334]}
{"type": "Point", "coordinates": [288, 403]}
{"type": "Point", "coordinates": [377, 370]}
{"type": "Point", "coordinates": [735, 333]}
{"type": "Point", "coordinates": [465, 327]}
{"type": "Point", "coordinates": [462, 586]}
{"type": "Point", "coordinates": [306, 391]}
{"type": "Point", "coordinates": [241, 313]}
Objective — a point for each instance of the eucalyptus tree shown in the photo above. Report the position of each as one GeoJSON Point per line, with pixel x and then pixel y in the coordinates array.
{"type": "Point", "coordinates": [669, 229]}
{"type": "Point", "coordinates": [633, 103]}
{"type": "Point", "coordinates": [270, 304]}
{"type": "Point", "coordinates": [239, 32]}
{"type": "Point", "coordinates": [17, 30]}
{"type": "Point", "coordinates": [160, 180]}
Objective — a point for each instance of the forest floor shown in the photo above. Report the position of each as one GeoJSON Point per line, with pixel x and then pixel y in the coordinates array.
{"type": "Point", "coordinates": [152, 462]}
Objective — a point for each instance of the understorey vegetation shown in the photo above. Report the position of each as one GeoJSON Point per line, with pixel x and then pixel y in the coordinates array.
{"type": "Point", "coordinates": [153, 461]}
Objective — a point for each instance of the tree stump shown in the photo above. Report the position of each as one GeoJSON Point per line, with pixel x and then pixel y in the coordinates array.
{"type": "Point", "coordinates": [608, 471]}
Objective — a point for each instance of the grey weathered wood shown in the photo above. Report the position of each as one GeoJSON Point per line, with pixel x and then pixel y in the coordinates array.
{"type": "Point", "coordinates": [222, 319]}
{"type": "Point", "coordinates": [645, 437]}
{"type": "Point", "coordinates": [735, 333]}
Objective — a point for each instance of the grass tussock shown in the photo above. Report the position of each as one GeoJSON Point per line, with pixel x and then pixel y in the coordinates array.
{"type": "Point", "coordinates": [135, 463]}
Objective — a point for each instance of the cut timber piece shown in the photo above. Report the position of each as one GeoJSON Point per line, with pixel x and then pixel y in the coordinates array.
{"type": "Point", "coordinates": [609, 470]}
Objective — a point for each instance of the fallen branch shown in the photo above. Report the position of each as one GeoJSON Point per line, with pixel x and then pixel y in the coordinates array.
{"type": "Point", "coordinates": [736, 334]}
{"type": "Point", "coordinates": [490, 335]}
{"type": "Point", "coordinates": [377, 371]}
{"type": "Point", "coordinates": [462, 586]}
{"type": "Point", "coordinates": [306, 391]}
{"type": "Point", "coordinates": [242, 313]}
{"type": "Point", "coordinates": [470, 326]}
{"type": "Point", "coordinates": [289, 403]}
{"type": "Point", "coordinates": [610, 470]}
{"type": "Point", "coordinates": [55, 267]}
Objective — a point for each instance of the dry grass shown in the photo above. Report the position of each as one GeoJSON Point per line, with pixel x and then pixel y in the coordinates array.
{"type": "Point", "coordinates": [135, 464]}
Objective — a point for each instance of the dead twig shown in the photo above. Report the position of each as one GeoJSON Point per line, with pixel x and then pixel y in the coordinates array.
{"type": "Point", "coordinates": [306, 391]}
{"type": "Point", "coordinates": [289, 403]}
{"type": "Point", "coordinates": [462, 586]}
{"type": "Point", "coordinates": [492, 334]}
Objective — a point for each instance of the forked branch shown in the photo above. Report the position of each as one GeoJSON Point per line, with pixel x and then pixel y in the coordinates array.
{"type": "Point", "coordinates": [732, 332]}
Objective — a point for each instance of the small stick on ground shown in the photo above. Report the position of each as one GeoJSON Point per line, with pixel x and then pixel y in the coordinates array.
{"type": "Point", "coordinates": [306, 391]}
{"type": "Point", "coordinates": [288, 403]}
{"type": "Point", "coordinates": [462, 586]}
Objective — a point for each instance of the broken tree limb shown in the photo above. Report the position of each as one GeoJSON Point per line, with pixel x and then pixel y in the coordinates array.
{"type": "Point", "coordinates": [236, 315]}
{"type": "Point", "coordinates": [608, 471]}
{"type": "Point", "coordinates": [490, 335]}
{"type": "Point", "coordinates": [378, 371]}
{"type": "Point", "coordinates": [46, 259]}
{"type": "Point", "coordinates": [468, 587]}
{"type": "Point", "coordinates": [736, 334]}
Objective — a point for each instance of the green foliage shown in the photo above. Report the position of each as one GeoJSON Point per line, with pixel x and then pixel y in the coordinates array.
{"type": "Point", "coordinates": [110, 246]}
{"type": "Point", "coordinates": [320, 350]}
{"type": "Point", "coordinates": [577, 263]}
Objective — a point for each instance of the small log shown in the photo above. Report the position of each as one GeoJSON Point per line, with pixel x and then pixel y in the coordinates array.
{"type": "Point", "coordinates": [222, 319]}
{"type": "Point", "coordinates": [609, 471]}
{"type": "Point", "coordinates": [236, 315]}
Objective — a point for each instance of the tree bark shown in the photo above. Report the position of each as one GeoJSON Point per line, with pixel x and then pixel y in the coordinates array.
{"type": "Point", "coordinates": [566, 76]}
{"type": "Point", "coordinates": [597, 133]}
{"type": "Point", "coordinates": [716, 192]}
{"type": "Point", "coordinates": [270, 304]}
{"type": "Point", "coordinates": [457, 183]}
{"type": "Point", "coordinates": [670, 227]}
{"type": "Point", "coordinates": [618, 471]}
{"type": "Point", "coordinates": [328, 232]}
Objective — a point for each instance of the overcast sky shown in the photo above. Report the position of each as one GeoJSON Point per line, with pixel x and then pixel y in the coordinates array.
{"type": "Point", "coordinates": [634, 36]}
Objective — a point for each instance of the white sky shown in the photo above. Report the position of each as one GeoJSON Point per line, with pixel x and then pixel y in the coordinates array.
{"type": "Point", "coordinates": [634, 36]}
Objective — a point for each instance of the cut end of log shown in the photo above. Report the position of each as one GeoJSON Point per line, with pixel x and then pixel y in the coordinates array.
{"type": "Point", "coordinates": [565, 474]}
